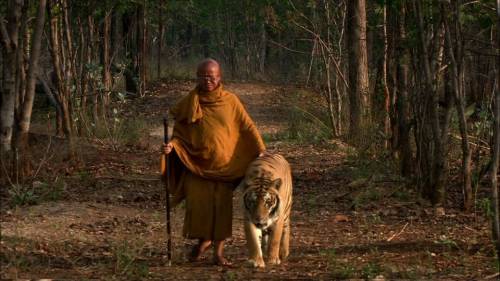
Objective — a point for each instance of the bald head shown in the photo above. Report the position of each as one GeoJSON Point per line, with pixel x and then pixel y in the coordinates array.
{"type": "Point", "coordinates": [206, 63]}
{"type": "Point", "coordinates": [209, 75]}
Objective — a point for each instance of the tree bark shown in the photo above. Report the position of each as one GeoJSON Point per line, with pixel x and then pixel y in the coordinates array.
{"type": "Point", "coordinates": [433, 176]}
{"type": "Point", "coordinates": [161, 30]}
{"type": "Point", "coordinates": [403, 58]}
{"type": "Point", "coordinates": [358, 67]}
{"type": "Point", "coordinates": [456, 59]}
{"type": "Point", "coordinates": [263, 49]}
{"type": "Point", "coordinates": [24, 121]}
{"type": "Point", "coordinates": [495, 149]}
{"type": "Point", "coordinates": [142, 44]}
{"type": "Point", "coordinates": [62, 71]}
{"type": "Point", "coordinates": [9, 35]}
{"type": "Point", "coordinates": [106, 60]}
{"type": "Point", "coordinates": [387, 94]}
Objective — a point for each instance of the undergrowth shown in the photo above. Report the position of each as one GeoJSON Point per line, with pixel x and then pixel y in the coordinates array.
{"type": "Point", "coordinates": [305, 124]}
{"type": "Point", "coordinates": [35, 193]}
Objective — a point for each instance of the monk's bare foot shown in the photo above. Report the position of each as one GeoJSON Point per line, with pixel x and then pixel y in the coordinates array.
{"type": "Point", "coordinates": [221, 261]}
{"type": "Point", "coordinates": [198, 251]}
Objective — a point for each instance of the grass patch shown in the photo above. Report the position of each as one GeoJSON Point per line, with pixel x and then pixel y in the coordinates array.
{"type": "Point", "coordinates": [371, 270]}
{"type": "Point", "coordinates": [37, 192]}
{"type": "Point", "coordinates": [127, 260]}
{"type": "Point", "coordinates": [180, 70]}
{"type": "Point", "coordinates": [121, 131]}
{"type": "Point", "coordinates": [365, 197]}
{"type": "Point", "coordinates": [337, 268]}
{"type": "Point", "coordinates": [402, 195]}
{"type": "Point", "coordinates": [303, 127]}
{"type": "Point", "coordinates": [22, 195]}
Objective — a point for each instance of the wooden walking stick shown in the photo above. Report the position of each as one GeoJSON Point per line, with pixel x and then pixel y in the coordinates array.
{"type": "Point", "coordinates": [167, 135]}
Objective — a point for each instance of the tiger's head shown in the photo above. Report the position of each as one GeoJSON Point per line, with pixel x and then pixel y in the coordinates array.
{"type": "Point", "coordinates": [262, 201]}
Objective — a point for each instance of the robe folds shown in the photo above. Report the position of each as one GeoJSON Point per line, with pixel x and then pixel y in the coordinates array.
{"type": "Point", "coordinates": [214, 140]}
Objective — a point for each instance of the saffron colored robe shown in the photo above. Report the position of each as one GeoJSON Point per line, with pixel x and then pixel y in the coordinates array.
{"type": "Point", "coordinates": [214, 140]}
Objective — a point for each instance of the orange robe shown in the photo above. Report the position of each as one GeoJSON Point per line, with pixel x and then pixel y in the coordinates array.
{"type": "Point", "coordinates": [214, 140]}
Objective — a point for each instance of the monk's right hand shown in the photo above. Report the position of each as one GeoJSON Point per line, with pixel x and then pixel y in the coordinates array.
{"type": "Point", "coordinates": [166, 148]}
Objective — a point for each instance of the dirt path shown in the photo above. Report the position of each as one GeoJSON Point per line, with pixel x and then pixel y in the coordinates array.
{"type": "Point", "coordinates": [348, 220]}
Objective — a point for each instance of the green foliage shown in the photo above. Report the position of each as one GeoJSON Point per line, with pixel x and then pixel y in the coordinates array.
{"type": "Point", "coordinates": [303, 127]}
{"type": "Point", "coordinates": [84, 176]}
{"type": "Point", "coordinates": [117, 130]}
{"type": "Point", "coordinates": [52, 192]}
{"type": "Point", "coordinates": [375, 219]}
{"type": "Point", "coordinates": [365, 164]}
{"type": "Point", "coordinates": [230, 275]}
{"type": "Point", "coordinates": [127, 261]}
{"type": "Point", "coordinates": [181, 71]}
{"type": "Point", "coordinates": [371, 270]}
{"type": "Point", "coordinates": [338, 269]}
{"type": "Point", "coordinates": [486, 207]}
{"type": "Point", "coordinates": [478, 15]}
{"type": "Point", "coordinates": [402, 195]}
{"type": "Point", "coordinates": [447, 242]}
{"type": "Point", "coordinates": [21, 195]}
{"type": "Point", "coordinates": [365, 197]}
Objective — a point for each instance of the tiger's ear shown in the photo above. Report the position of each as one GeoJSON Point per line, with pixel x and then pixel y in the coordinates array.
{"type": "Point", "coordinates": [277, 183]}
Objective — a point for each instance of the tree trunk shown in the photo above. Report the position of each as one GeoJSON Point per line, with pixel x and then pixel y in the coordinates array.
{"type": "Point", "coordinates": [21, 62]}
{"type": "Point", "coordinates": [387, 94]}
{"type": "Point", "coordinates": [263, 48]}
{"type": "Point", "coordinates": [84, 77]}
{"type": "Point", "coordinates": [24, 122]}
{"type": "Point", "coordinates": [456, 59]}
{"type": "Point", "coordinates": [142, 44]}
{"type": "Point", "coordinates": [495, 150]}
{"type": "Point", "coordinates": [403, 58]}
{"type": "Point", "coordinates": [9, 35]}
{"type": "Point", "coordinates": [27, 106]}
{"type": "Point", "coordinates": [434, 182]}
{"type": "Point", "coordinates": [117, 39]}
{"type": "Point", "coordinates": [62, 72]}
{"type": "Point", "coordinates": [91, 57]}
{"type": "Point", "coordinates": [161, 30]}
{"type": "Point", "coordinates": [106, 61]}
{"type": "Point", "coordinates": [358, 67]}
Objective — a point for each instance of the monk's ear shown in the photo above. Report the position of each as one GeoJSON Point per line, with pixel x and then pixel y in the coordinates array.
{"type": "Point", "coordinates": [277, 183]}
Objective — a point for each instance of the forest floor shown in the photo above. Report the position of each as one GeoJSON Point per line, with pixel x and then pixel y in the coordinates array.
{"type": "Point", "coordinates": [352, 217]}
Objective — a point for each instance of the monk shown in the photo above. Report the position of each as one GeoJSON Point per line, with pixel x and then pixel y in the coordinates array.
{"type": "Point", "coordinates": [213, 142]}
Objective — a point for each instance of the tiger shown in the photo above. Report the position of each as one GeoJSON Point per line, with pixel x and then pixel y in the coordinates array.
{"type": "Point", "coordinates": [267, 202]}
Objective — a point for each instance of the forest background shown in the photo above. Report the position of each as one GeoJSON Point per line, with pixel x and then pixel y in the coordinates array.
{"type": "Point", "coordinates": [408, 87]}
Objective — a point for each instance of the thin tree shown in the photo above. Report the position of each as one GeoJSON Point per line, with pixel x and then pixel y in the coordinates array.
{"type": "Point", "coordinates": [106, 59]}
{"type": "Point", "coordinates": [358, 66]}
{"type": "Point", "coordinates": [9, 38]}
{"type": "Point", "coordinates": [455, 54]}
{"type": "Point", "coordinates": [495, 149]}
{"type": "Point", "coordinates": [161, 31]}
{"type": "Point", "coordinates": [24, 121]}
{"type": "Point", "coordinates": [402, 96]}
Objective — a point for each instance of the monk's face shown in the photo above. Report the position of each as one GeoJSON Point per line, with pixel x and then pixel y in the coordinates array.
{"type": "Point", "coordinates": [208, 76]}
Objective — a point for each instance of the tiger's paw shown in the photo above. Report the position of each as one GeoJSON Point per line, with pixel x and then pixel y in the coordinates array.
{"type": "Point", "coordinates": [274, 260]}
{"type": "Point", "coordinates": [257, 262]}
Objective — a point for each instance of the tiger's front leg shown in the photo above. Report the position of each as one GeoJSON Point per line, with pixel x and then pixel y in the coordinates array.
{"type": "Point", "coordinates": [253, 234]}
{"type": "Point", "coordinates": [273, 249]}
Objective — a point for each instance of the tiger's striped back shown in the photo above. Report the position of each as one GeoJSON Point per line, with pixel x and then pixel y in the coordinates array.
{"type": "Point", "coordinates": [265, 169]}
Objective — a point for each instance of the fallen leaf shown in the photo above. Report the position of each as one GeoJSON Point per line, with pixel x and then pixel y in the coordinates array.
{"type": "Point", "coordinates": [340, 218]}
